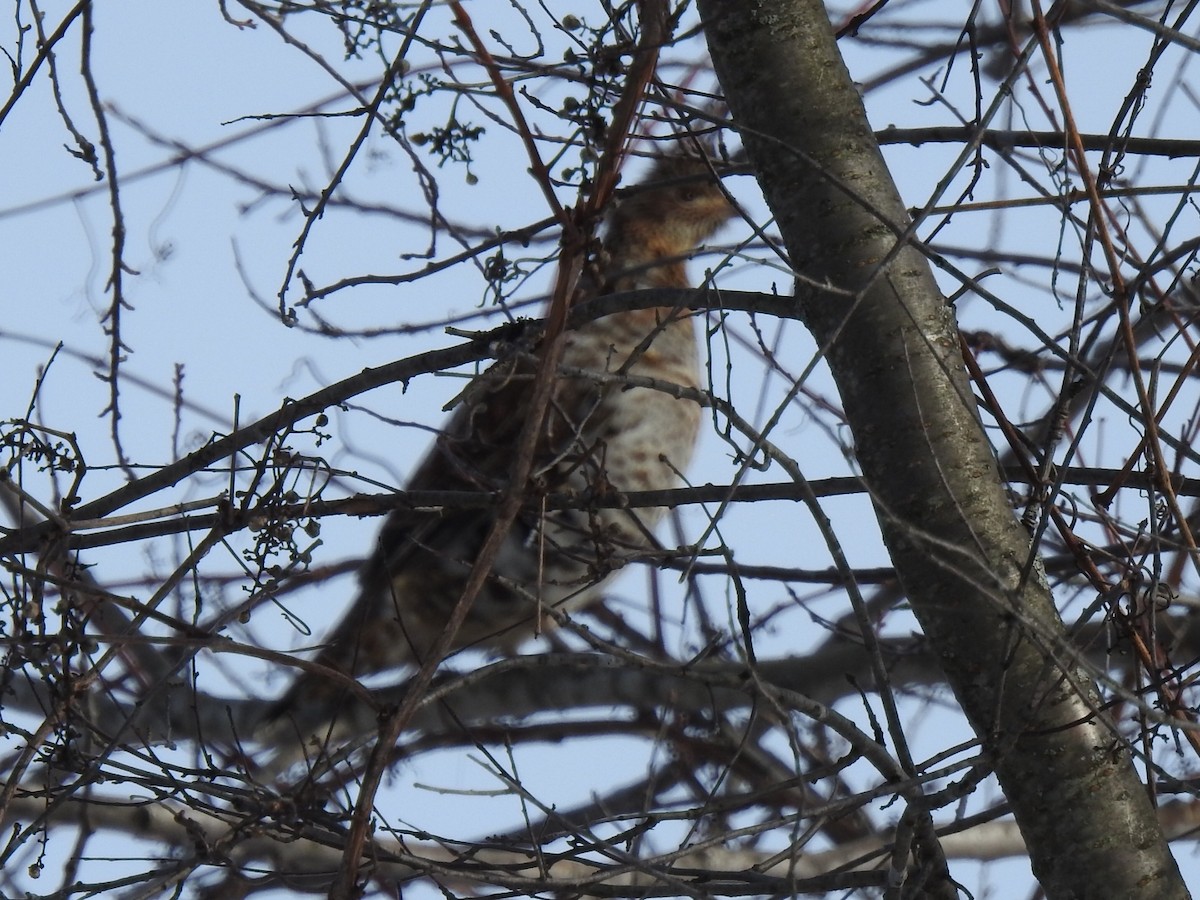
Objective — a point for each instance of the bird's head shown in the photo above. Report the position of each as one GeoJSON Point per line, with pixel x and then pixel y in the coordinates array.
{"type": "Point", "coordinates": [682, 196]}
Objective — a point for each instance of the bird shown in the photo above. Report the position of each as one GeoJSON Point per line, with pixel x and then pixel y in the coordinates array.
{"type": "Point", "coordinates": [600, 436]}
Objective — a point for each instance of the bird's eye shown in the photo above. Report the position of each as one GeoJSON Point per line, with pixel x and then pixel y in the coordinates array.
{"type": "Point", "coordinates": [690, 194]}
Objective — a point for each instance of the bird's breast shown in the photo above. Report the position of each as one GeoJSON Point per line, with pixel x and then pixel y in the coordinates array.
{"type": "Point", "coordinates": [641, 429]}
{"type": "Point", "coordinates": [647, 343]}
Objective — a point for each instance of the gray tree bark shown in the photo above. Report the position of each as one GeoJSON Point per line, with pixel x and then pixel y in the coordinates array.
{"type": "Point", "coordinates": [892, 344]}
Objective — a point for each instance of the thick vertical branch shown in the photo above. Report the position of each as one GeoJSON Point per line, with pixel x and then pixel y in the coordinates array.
{"type": "Point", "coordinates": [956, 545]}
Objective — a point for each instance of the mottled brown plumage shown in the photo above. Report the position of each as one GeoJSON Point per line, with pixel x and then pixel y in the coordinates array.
{"type": "Point", "coordinates": [599, 437]}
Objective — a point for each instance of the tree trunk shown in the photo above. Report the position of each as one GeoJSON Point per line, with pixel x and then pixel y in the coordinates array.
{"type": "Point", "coordinates": [963, 559]}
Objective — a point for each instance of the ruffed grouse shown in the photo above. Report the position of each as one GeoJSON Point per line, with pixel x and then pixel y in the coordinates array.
{"type": "Point", "coordinates": [600, 436]}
